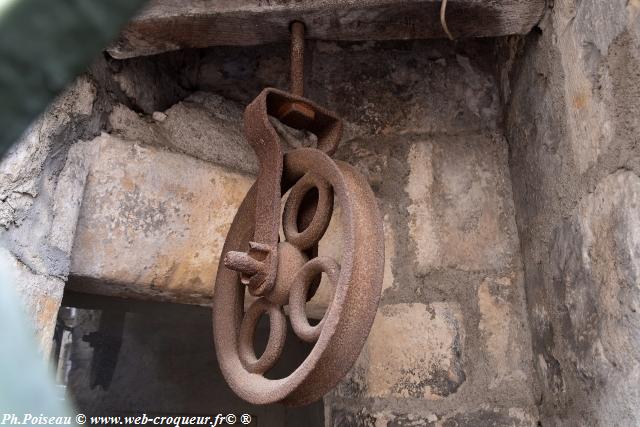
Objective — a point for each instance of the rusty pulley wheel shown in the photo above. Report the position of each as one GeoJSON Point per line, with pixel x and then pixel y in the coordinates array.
{"type": "Point", "coordinates": [284, 273]}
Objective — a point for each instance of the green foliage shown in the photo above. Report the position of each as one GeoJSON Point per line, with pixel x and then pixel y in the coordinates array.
{"type": "Point", "coordinates": [44, 44]}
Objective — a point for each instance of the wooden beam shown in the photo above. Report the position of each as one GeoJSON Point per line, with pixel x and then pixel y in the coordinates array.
{"type": "Point", "coordinates": [167, 25]}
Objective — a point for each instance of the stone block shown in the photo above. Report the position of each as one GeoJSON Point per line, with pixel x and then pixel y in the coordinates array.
{"type": "Point", "coordinates": [595, 295]}
{"type": "Point", "coordinates": [204, 126]}
{"type": "Point", "coordinates": [461, 213]}
{"type": "Point", "coordinates": [210, 128]}
{"type": "Point", "coordinates": [389, 254]}
{"type": "Point", "coordinates": [504, 332]}
{"type": "Point", "coordinates": [22, 167]}
{"type": "Point", "coordinates": [68, 195]}
{"type": "Point", "coordinates": [362, 417]}
{"type": "Point", "coordinates": [40, 296]}
{"type": "Point", "coordinates": [346, 418]}
{"type": "Point", "coordinates": [572, 125]}
{"type": "Point", "coordinates": [35, 242]}
{"type": "Point", "coordinates": [152, 223]}
{"type": "Point", "coordinates": [486, 416]}
{"type": "Point", "coordinates": [413, 350]}
{"type": "Point", "coordinates": [489, 416]}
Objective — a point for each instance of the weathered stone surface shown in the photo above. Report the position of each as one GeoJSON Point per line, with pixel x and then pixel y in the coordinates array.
{"type": "Point", "coordinates": [40, 296]}
{"type": "Point", "coordinates": [32, 174]}
{"type": "Point", "coordinates": [413, 350]}
{"type": "Point", "coordinates": [204, 126]}
{"type": "Point", "coordinates": [504, 331]}
{"type": "Point", "coordinates": [21, 168]}
{"type": "Point", "coordinates": [460, 214]}
{"type": "Point", "coordinates": [37, 202]}
{"type": "Point", "coordinates": [152, 223]}
{"type": "Point", "coordinates": [573, 127]}
{"type": "Point", "coordinates": [456, 179]}
{"type": "Point", "coordinates": [595, 289]}
{"type": "Point", "coordinates": [344, 417]}
{"type": "Point", "coordinates": [169, 25]}
{"type": "Point", "coordinates": [491, 417]}
{"type": "Point", "coordinates": [151, 85]}
{"type": "Point", "coordinates": [486, 416]}
{"type": "Point", "coordinates": [391, 97]}
{"type": "Point", "coordinates": [68, 196]}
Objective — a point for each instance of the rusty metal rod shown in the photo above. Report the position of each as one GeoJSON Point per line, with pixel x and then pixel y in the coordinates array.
{"type": "Point", "coordinates": [297, 58]}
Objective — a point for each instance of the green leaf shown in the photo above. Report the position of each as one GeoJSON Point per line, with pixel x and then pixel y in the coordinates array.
{"type": "Point", "coordinates": [44, 45]}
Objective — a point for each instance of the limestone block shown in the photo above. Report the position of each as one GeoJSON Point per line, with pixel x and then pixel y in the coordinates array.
{"type": "Point", "coordinates": [364, 417]}
{"type": "Point", "coordinates": [503, 331]}
{"type": "Point", "coordinates": [414, 350]}
{"type": "Point", "coordinates": [491, 416]}
{"type": "Point", "coordinates": [422, 226]}
{"type": "Point", "coordinates": [595, 289]}
{"type": "Point", "coordinates": [211, 128]}
{"type": "Point", "coordinates": [572, 122]}
{"type": "Point", "coordinates": [204, 126]}
{"type": "Point", "coordinates": [22, 166]}
{"type": "Point", "coordinates": [486, 416]}
{"type": "Point", "coordinates": [67, 198]}
{"type": "Point", "coordinates": [461, 212]}
{"type": "Point", "coordinates": [389, 254]}
{"type": "Point", "coordinates": [152, 223]}
{"type": "Point", "coordinates": [34, 240]}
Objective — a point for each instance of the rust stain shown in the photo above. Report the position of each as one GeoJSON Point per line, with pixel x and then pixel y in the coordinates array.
{"type": "Point", "coordinates": [47, 311]}
{"type": "Point", "coordinates": [127, 183]}
{"type": "Point", "coordinates": [580, 101]}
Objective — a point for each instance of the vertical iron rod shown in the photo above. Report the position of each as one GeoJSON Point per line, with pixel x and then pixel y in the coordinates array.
{"type": "Point", "coordinates": [297, 58]}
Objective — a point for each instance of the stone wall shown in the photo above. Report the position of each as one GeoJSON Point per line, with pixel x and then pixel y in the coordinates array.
{"type": "Point", "coordinates": [572, 90]}
{"type": "Point", "coordinates": [38, 203]}
{"type": "Point", "coordinates": [449, 345]}
{"type": "Point", "coordinates": [156, 182]}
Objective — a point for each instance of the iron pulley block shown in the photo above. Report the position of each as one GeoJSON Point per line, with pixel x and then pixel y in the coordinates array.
{"type": "Point", "coordinates": [285, 272]}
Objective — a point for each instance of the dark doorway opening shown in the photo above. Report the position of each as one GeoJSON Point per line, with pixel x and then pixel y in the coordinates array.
{"type": "Point", "coordinates": [126, 357]}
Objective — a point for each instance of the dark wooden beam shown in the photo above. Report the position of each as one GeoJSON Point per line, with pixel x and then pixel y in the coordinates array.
{"type": "Point", "coordinates": [176, 24]}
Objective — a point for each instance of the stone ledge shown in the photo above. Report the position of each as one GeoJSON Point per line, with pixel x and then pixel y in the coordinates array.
{"type": "Point", "coordinates": [136, 200]}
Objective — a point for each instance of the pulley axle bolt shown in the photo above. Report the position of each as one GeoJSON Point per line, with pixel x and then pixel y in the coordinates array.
{"type": "Point", "coordinates": [296, 114]}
